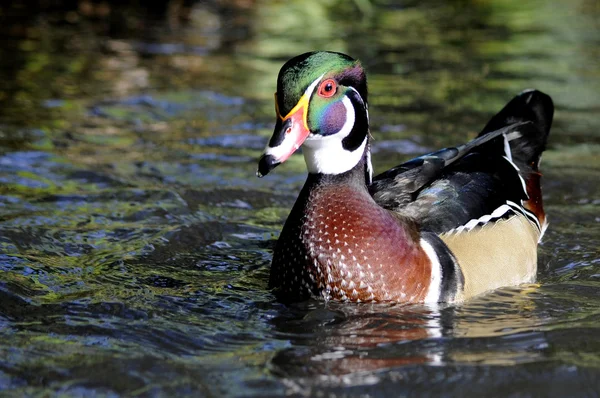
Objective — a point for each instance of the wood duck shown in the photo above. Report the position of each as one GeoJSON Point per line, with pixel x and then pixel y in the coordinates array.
{"type": "Point", "coordinates": [442, 227]}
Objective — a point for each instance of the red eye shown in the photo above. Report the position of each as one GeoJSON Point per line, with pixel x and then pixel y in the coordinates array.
{"type": "Point", "coordinates": [327, 88]}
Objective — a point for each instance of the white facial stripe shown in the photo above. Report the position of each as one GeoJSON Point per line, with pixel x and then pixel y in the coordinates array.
{"type": "Point", "coordinates": [435, 284]}
{"type": "Point", "coordinates": [361, 98]}
{"type": "Point", "coordinates": [369, 164]}
{"type": "Point", "coordinates": [311, 88]}
{"type": "Point", "coordinates": [326, 154]}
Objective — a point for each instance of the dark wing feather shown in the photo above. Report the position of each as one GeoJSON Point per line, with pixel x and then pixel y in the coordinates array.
{"type": "Point", "coordinates": [448, 188]}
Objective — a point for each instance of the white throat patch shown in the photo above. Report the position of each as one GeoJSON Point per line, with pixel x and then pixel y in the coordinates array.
{"type": "Point", "coordinates": [326, 154]}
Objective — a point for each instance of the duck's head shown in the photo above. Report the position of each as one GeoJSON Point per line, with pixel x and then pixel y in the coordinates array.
{"type": "Point", "coordinates": [321, 105]}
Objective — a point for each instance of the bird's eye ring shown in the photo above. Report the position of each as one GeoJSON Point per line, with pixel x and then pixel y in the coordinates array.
{"type": "Point", "coordinates": [327, 88]}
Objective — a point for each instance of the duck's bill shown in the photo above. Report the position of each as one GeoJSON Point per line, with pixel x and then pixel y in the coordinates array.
{"type": "Point", "coordinates": [290, 132]}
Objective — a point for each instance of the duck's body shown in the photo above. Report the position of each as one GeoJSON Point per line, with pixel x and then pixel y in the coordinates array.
{"type": "Point", "coordinates": [440, 228]}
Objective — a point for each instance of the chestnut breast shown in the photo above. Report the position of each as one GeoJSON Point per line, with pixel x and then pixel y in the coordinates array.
{"type": "Point", "coordinates": [358, 251]}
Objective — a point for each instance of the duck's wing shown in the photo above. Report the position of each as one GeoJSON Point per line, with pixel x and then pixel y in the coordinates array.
{"type": "Point", "coordinates": [486, 179]}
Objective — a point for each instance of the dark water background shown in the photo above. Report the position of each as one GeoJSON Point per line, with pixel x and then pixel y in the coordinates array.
{"type": "Point", "coordinates": [135, 240]}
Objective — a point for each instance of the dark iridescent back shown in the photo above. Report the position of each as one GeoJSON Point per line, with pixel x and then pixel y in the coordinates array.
{"type": "Point", "coordinates": [448, 188]}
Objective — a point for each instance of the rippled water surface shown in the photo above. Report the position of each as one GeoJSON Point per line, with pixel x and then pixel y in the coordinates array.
{"type": "Point", "coordinates": [135, 240]}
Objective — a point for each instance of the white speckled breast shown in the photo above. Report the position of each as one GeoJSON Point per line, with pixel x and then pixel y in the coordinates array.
{"type": "Point", "coordinates": [341, 245]}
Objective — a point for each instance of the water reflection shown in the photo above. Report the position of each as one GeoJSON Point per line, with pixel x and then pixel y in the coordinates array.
{"type": "Point", "coordinates": [363, 339]}
{"type": "Point", "coordinates": [430, 349]}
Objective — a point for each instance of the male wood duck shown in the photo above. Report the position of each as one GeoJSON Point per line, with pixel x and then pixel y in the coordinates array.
{"type": "Point", "coordinates": [442, 227]}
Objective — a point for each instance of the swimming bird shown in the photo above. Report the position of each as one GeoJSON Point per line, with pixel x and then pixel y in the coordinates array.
{"type": "Point", "coordinates": [442, 227]}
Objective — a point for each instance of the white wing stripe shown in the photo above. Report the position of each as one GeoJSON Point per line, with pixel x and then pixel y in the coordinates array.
{"type": "Point", "coordinates": [498, 213]}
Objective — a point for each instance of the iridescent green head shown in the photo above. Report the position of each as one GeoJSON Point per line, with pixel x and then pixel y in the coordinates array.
{"type": "Point", "coordinates": [321, 102]}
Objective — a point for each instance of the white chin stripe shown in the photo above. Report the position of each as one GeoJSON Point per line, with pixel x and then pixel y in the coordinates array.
{"type": "Point", "coordinates": [326, 154]}
{"type": "Point", "coordinates": [330, 157]}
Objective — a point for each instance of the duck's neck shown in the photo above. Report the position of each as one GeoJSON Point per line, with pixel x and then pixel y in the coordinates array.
{"type": "Point", "coordinates": [357, 177]}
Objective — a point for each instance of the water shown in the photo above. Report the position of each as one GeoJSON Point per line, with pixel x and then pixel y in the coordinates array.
{"type": "Point", "coordinates": [135, 240]}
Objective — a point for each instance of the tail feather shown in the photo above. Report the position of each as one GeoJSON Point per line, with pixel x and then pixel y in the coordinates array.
{"type": "Point", "coordinates": [528, 143]}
